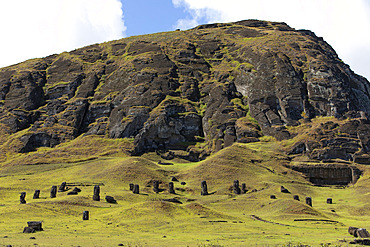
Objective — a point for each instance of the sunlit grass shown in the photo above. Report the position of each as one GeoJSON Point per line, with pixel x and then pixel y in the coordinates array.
{"type": "Point", "coordinates": [220, 219]}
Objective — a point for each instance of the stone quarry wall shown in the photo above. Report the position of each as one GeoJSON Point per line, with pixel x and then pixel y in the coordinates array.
{"type": "Point", "coordinates": [330, 174]}
{"type": "Point", "coordinates": [220, 84]}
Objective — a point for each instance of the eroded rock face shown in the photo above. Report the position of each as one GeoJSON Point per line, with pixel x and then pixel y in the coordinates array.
{"type": "Point", "coordinates": [330, 174]}
{"type": "Point", "coordinates": [220, 83]}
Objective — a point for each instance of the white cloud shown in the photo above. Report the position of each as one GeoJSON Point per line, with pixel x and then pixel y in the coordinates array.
{"type": "Point", "coordinates": [37, 28]}
{"type": "Point", "coordinates": [344, 24]}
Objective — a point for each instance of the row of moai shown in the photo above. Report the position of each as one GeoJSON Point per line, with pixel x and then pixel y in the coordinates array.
{"type": "Point", "coordinates": [243, 190]}
{"type": "Point", "coordinates": [136, 190]}
{"type": "Point", "coordinates": [53, 192]}
{"type": "Point", "coordinates": [96, 195]}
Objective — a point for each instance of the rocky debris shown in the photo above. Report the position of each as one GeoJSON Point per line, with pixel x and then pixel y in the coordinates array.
{"type": "Point", "coordinates": [204, 191]}
{"type": "Point", "coordinates": [174, 179]}
{"type": "Point", "coordinates": [183, 183]}
{"type": "Point", "coordinates": [174, 200]}
{"type": "Point", "coordinates": [33, 226]}
{"type": "Point", "coordinates": [361, 241]}
{"type": "Point", "coordinates": [85, 215]}
{"type": "Point", "coordinates": [309, 201]}
{"type": "Point", "coordinates": [96, 195]}
{"type": "Point", "coordinates": [75, 191]}
{"type": "Point", "coordinates": [22, 198]}
{"type": "Point", "coordinates": [110, 199]}
{"type": "Point", "coordinates": [53, 191]}
{"type": "Point", "coordinates": [36, 195]}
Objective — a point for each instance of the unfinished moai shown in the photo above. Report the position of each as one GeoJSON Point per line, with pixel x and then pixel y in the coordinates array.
{"type": "Point", "coordinates": [171, 188]}
{"type": "Point", "coordinates": [96, 196]}
{"type": "Point", "coordinates": [22, 198]}
{"type": "Point", "coordinates": [53, 191]}
{"type": "Point", "coordinates": [204, 191]}
{"type": "Point", "coordinates": [36, 195]}
{"type": "Point", "coordinates": [236, 188]}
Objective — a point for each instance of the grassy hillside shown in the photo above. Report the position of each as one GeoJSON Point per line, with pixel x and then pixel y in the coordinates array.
{"type": "Point", "coordinates": [219, 219]}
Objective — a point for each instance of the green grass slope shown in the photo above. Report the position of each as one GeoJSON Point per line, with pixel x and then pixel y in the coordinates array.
{"type": "Point", "coordinates": [219, 219]}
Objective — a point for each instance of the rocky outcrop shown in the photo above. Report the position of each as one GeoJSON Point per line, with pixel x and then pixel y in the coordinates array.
{"type": "Point", "coordinates": [345, 140]}
{"type": "Point", "coordinates": [329, 174]}
{"type": "Point", "coordinates": [217, 84]}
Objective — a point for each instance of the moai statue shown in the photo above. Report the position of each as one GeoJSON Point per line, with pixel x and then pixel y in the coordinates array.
{"type": "Point", "coordinates": [53, 192]}
{"type": "Point", "coordinates": [22, 198]}
{"type": "Point", "coordinates": [131, 186]}
{"type": "Point", "coordinates": [33, 226]}
{"type": "Point", "coordinates": [296, 197]}
{"type": "Point", "coordinates": [62, 187]}
{"type": "Point", "coordinates": [272, 197]}
{"type": "Point", "coordinates": [236, 188]}
{"type": "Point", "coordinates": [85, 215]}
{"type": "Point", "coordinates": [136, 189]}
{"type": "Point", "coordinates": [244, 188]}
{"type": "Point", "coordinates": [309, 201]}
{"type": "Point", "coordinates": [96, 196]}
{"type": "Point", "coordinates": [36, 195]}
{"type": "Point", "coordinates": [329, 201]}
{"type": "Point", "coordinates": [204, 191]}
{"type": "Point", "coordinates": [156, 186]}
{"type": "Point", "coordinates": [171, 188]}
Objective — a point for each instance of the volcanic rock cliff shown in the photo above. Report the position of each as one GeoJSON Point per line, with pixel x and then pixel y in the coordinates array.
{"type": "Point", "coordinates": [197, 91]}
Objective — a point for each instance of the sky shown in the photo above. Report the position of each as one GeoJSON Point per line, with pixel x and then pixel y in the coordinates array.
{"type": "Point", "coordinates": [38, 28]}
